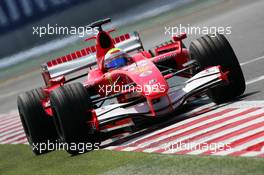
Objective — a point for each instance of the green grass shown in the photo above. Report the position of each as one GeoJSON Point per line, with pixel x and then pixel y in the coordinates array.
{"type": "Point", "coordinates": [18, 160]}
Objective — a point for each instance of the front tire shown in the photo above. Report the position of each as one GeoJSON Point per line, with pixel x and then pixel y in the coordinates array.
{"type": "Point", "coordinates": [38, 126]}
{"type": "Point", "coordinates": [71, 105]}
{"type": "Point", "coordinates": [213, 50]}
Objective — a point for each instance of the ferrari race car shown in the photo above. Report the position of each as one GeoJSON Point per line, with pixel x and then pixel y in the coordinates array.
{"type": "Point", "coordinates": [123, 83]}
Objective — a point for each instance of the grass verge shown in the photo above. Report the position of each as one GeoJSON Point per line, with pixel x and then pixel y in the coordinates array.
{"type": "Point", "coordinates": [18, 159]}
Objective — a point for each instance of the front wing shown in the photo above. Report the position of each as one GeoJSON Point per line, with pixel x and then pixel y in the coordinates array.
{"type": "Point", "coordinates": [198, 84]}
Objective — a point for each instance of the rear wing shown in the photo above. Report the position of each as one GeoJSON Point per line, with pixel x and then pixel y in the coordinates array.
{"type": "Point", "coordinates": [86, 57]}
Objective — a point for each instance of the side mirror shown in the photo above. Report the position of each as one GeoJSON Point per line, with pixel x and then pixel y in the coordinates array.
{"type": "Point", "coordinates": [179, 37]}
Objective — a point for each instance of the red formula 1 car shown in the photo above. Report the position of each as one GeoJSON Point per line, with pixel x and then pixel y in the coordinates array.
{"type": "Point", "coordinates": [134, 80]}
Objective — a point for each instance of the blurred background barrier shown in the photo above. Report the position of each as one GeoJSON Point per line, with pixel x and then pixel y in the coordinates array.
{"type": "Point", "coordinates": [17, 17]}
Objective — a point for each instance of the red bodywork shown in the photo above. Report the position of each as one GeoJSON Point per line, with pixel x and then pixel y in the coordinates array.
{"type": "Point", "coordinates": [142, 62]}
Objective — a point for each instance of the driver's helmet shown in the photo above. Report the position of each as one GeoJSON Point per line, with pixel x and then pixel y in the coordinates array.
{"type": "Point", "coordinates": [115, 58]}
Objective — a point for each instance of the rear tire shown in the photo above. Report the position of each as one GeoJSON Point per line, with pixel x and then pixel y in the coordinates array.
{"type": "Point", "coordinates": [38, 126]}
{"type": "Point", "coordinates": [215, 50]}
{"type": "Point", "coordinates": [71, 104]}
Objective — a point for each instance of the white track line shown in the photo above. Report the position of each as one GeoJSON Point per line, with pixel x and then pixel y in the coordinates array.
{"type": "Point", "coordinates": [165, 145]}
{"type": "Point", "coordinates": [241, 147]}
{"type": "Point", "coordinates": [257, 79]}
{"type": "Point", "coordinates": [224, 132]}
{"type": "Point", "coordinates": [4, 122]}
{"type": "Point", "coordinates": [19, 133]}
{"type": "Point", "coordinates": [10, 124]}
{"type": "Point", "coordinates": [17, 138]}
{"type": "Point", "coordinates": [11, 131]}
{"type": "Point", "coordinates": [186, 121]}
{"type": "Point", "coordinates": [245, 145]}
{"type": "Point", "coordinates": [252, 60]}
{"type": "Point", "coordinates": [254, 80]}
{"type": "Point", "coordinates": [23, 141]}
{"type": "Point", "coordinates": [176, 124]}
{"type": "Point", "coordinates": [10, 128]}
{"type": "Point", "coordinates": [232, 139]}
{"type": "Point", "coordinates": [252, 153]}
{"type": "Point", "coordinates": [147, 143]}
{"type": "Point", "coordinates": [247, 104]}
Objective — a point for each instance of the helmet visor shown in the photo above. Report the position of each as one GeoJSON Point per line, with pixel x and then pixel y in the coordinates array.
{"type": "Point", "coordinates": [116, 63]}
